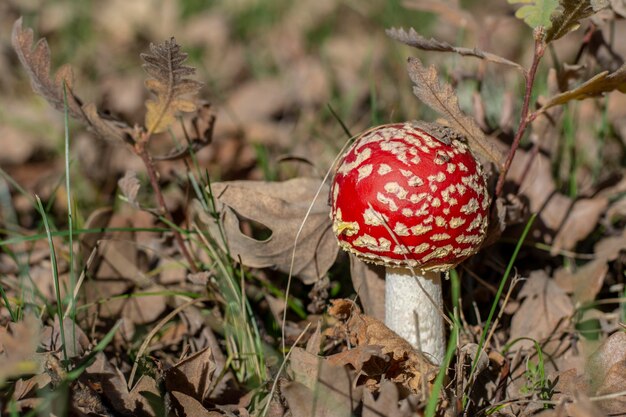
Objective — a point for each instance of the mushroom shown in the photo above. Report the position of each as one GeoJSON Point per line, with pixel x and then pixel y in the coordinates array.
{"type": "Point", "coordinates": [412, 197]}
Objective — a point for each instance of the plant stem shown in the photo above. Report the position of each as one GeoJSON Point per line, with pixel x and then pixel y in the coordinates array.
{"type": "Point", "coordinates": [540, 48]}
{"type": "Point", "coordinates": [142, 152]}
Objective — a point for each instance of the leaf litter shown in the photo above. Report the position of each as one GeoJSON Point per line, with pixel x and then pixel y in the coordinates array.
{"type": "Point", "coordinates": [567, 307]}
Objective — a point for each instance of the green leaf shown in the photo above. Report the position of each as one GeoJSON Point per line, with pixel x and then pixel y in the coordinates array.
{"type": "Point", "coordinates": [536, 12]}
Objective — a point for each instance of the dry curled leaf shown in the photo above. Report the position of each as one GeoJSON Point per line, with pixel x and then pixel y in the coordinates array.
{"type": "Point", "coordinates": [568, 14]}
{"type": "Point", "coordinates": [59, 91]}
{"type": "Point", "coordinates": [414, 39]}
{"type": "Point", "coordinates": [604, 82]}
{"type": "Point", "coordinates": [282, 208]}
{"type": "Point", "coordinates": [444, 101]}
{"type": "Point", "coordinates": [406, 365]}
{"type": "Point", "coordinates": [129, 186]}
{"type": "Point", "coordinates": [170, 84]}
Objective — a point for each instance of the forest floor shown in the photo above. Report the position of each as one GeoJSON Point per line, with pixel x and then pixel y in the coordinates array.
{"type": "Point", "coordinates": [187, 266]}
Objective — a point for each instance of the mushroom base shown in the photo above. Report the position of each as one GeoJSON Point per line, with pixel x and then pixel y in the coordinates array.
{"type": "Point", "coordinates": [411, 314]}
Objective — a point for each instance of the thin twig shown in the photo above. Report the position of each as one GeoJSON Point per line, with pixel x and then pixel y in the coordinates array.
{"type": "Point", "coordinates": [142, 152]}
{"type": "Point", "coordinates": [540, 48]}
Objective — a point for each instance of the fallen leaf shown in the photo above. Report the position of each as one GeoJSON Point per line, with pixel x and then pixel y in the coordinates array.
{"type": "Point", "coordinates": [444, 101]}
{"type": "Point", "coordinates": [387, 403]}
{"type": "Point", "coordinates": [368, 359]}
{"type": "Point", "coordinates": [319, 388]}
{"type": "Point", "coordinates": [189, 406]}
{"type": "Point", "coordinates": [545, 310]}
{"type": "Point", "coordinates": [193, 376]}
{"type": "Point", "coordinates": [368, 280]}
{"type": "Point", "coordinates": [607, 369]}
{"type": "Point", "coordinates": [406, 365]}
{"type": "Point", "coordinates": [18, 347]}
{"type": "Point", "coordinates": [76, 341]}
{"type": "Point", "coordinates": [113, 387]}
{"type": "Point", "coordinates": [282, 208]}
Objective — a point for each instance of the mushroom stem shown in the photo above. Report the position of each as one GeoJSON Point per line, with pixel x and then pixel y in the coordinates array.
{"type": "Point", "coordinates": [411, 314]}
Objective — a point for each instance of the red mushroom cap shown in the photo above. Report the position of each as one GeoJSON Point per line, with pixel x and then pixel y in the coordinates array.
{"type": "Point", "coordinates": [401, 197]}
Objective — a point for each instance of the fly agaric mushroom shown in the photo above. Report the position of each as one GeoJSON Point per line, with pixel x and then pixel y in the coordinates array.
{"type": "Point", "coordinates": [412, 197]}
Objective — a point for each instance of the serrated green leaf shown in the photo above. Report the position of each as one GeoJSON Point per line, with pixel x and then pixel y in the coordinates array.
{"type": "Point", "coordinates": [536, 12]}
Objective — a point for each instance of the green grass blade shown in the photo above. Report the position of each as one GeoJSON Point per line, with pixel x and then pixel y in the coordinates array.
{"type": "Point", "coordinates": [70, 216]}
{"type": "Point", "coordinates": [494, 305]}
{"type": "Point", "coordinates": [7, 304]}
{"type": "Point", "coordinates": [55, 276]}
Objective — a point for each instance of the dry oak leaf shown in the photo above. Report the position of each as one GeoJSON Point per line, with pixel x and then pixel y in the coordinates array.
{"type": "Point", "coordinates": [607, 368]}
{"type": "Point", "coordinates": [18, 347]}
{"type": "Point", "coordinates": [36, 61]}
{"type": "Point", "coordinates": [567, 16]}
{"type": "Point", "coordinates": [319, 388]}
{"type": "Point", "coordinates": [406, 366]}
{"type": "Point", "coordinates": [281, 207]}
{"type": "Point", "coordinates": [387, 403]}
{"type": "Point", "coordinates": [193, 376]}
{"type": "Point", "coordinates": [545, 311]}
{"type": "Point", "coordinates": [170, 84]}
{"type": "Point", "coordinates": [604, 82]}
{"type": "Point", "coordinates": [443, 100]}
{"type": "Point", "coordinates": [368, 280]}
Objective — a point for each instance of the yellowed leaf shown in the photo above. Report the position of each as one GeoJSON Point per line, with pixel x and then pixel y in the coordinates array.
{"type": "Point", "coordinates": [169, 83]}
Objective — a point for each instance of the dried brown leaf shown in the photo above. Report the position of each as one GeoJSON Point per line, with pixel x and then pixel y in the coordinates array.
{"type": "Point", "coordinates": [18, 346]}
{"type": "Point", "coordinates": [129, 186]}
{"type": "Point", "coordinates": [544, 311]}
{"type": "Point", "coordinates": [607, 368]}
{"type": "Point", "coordinates": [604, 82]}
{"type": "Point", "coordinates": [189, 406]}
{"type": "Point", "coordinates": [568, 15]}
{"type": "Point", "coordinates": [319, 388]}
{"type": "Point", "coordinates": [368, 359]}
{"type": "Point", "coordinates": [36, 61]}
{"type": "Point", "coordinates": [193, 376]}
{"type": "Point", "coordinates": [170, 84]}
{"type": "Point", "coordinates": [406, 366]}
{"type": "Point", "coordinates": [113, 387]}
{"type": "Point", "coordinates": [281, 207]}
{"type": "Point", "coordinates": [386, 404]}
{"type": "Point", "coordinates": [444, 101]}
{"type": "Point", "coordinates": [368, 281]}
{"type": "Point", "coordinates": [414, 39]}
